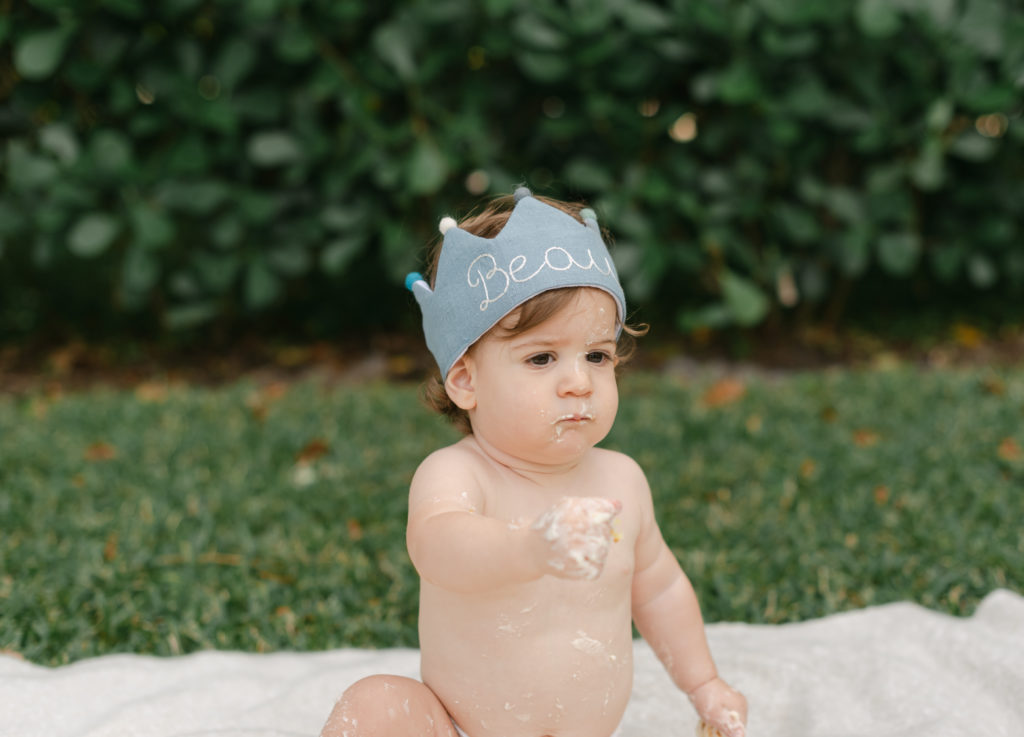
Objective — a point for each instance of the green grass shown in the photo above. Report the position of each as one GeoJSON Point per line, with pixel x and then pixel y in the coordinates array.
{"type": "Point", "coordinates": [167, 521]}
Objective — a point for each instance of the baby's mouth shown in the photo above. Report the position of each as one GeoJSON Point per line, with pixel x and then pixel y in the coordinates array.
{"type": "Point", "coordinates": [574, 418]}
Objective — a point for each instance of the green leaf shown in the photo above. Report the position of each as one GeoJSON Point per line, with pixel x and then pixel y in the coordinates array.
{"type": "Point", "coordinates": [739, 83]}
{"type": "Point", "coordinates": [898, 253]}
{"type": "Point", "coordinates": [37, 55]}
{"type": "Point", "coordinates": [339, 253]}
{"type": "Point", "coordinates": [534, 31]}
{"type": "Point", "coordinates": [393, 44]}
{"type": "Point", "coordinates": [341, 218]}
{"type": "Point", "coordinates": [801, 12]}
{"type": "Point", "coordinates": [973, 146]}
{"type": "Point", "coordinates": [27, 171]}
{"type": "Point", "coordinates": [543, 67]}
{"type": "Point", "coordinates": [140, 271]}
{"type": "Point", "coordinates": [798, 223]}
{"type": "Point", "coordinates": [295, 44]}
{"type": "Point", "coordinates": [273, 148]}
{"type": "Point", "coordinates": [190, 315]}
{"type": "Point", "coordinates": [807, 97]}
{"type": "Point", "coordinates": [746, 302]}
{"type": "Point", "coordinates": [981, 271]}
{"type": "Point", "coordinates": [940, 114]}
{"type": "Point", "coordinates": [110, 150]}
{"type": "Point", "coordinates": [589, 175]}
{"type": "Point", "coordinates": [217, 271]}
{"type": "Point", "coordinates": [151, 228]}
{"type": "Point", "coordinates": [227, 232]}
{"type": "Point", "coordinates": [845, 203]}
{"type": "Point", "coordinates": [946, 260]}
{"type": "Point", "coordinates": [290, 260]}
{"type": "Point", "coordinates": [928, 170]}
{"type": "Point", "coordinates": [92, 234]}
{"type": "Point", "coordinates": [645, 18]}
{"type": "Point", "coordinates": [59, 139]}
{"type": "Point", "coordinates": [716, 315]}
{"type": "Point", "coordinates": [942, 13]}
{"type": "Point", "coordinates": [813, 282]}
{"type": "Point", "coordinates": [854, 251]}
{"type": "Point", "coordinates": [428, 167]}
{"type": "Point", "coordinates": [235, 61]}
{"type": "Point", "coordinates": [778, 43]}
{"type": "Point", "coordinates": [261, 286]}
{"type": "Point", "coordinates": [877, 18]}
{"type": "Point", "coordinates": [983, 26]}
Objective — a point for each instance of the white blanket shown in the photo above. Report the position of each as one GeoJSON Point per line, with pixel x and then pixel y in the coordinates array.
{"type": "Point", "coordinates": [890, 671]}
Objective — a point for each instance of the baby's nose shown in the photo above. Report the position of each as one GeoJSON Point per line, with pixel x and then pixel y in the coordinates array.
{"type": "Point", "coordinates": [577, 380]}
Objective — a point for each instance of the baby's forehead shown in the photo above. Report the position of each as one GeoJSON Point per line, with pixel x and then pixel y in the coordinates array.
{"type": "Point", "coordinates": [599, 314]}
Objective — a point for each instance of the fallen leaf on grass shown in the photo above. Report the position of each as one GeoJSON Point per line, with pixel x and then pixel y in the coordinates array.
{"type": "Point", "coordinates": [292, 356]}
{"type": "Point", "coordinates": [355, 530]}
{"type": "Point", "coordinates": [881, 495]}
{"type": "Point", "coordinates": [723, 392]}
{"type": "Point", "coordinates": [313, 450]}
{"type": "Point", "coordinates": [259, 401]}
{"type": "Point", "coordinates": [865, 438]}
{"type": "Point", "coordinates": [1010, 450]}
{"type": "Point", "coordinates": [100, 451]}
{"type": "Point", "coordinates": [151, 392]}
{"type": "Point", "coordinates": [967, 336]}
{"type": "Point", "coordinates": [110, 549]}
{"type": "Point", "coordinates": [993, 385]}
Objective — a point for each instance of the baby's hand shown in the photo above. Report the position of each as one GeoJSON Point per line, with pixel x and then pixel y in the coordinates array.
{"type": "Point", "coordinates": [721, 708]}
{"type": "Point", "coordinates": [577, 533]}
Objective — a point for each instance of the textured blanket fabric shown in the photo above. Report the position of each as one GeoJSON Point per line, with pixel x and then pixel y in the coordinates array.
{"type": "Point", "coordinates": [890, 671]}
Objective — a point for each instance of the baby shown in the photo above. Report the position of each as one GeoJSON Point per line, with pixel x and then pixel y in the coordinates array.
{"type": "Point", "coordinates": [535, 549]}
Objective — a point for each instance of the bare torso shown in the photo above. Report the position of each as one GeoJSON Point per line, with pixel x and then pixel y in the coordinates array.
{"type": "Point", "coordinates": [550, 656]}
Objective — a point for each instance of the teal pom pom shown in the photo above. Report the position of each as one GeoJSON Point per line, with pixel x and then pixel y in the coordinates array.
{"type": "Point", "coordinates": [412, 278]}
{"type": "Point", "coordinates": [587, 214]}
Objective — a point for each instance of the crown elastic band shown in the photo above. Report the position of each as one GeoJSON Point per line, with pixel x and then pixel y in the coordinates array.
{"type": "Point", "coordinates": [480, 280]}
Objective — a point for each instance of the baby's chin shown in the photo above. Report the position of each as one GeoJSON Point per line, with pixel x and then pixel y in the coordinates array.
{"type": "Point", "coordinates": [568, 447]}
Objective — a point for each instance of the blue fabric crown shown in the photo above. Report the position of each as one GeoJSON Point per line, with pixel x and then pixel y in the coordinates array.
{"type": "Point", "coordinates": [480, 280]}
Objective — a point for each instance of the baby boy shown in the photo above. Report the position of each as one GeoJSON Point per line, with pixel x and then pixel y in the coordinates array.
{"type": "Point", "coordinates": [536, 550]}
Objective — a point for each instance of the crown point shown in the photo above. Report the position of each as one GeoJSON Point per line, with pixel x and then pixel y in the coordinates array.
{"type": "Point", "coordinates": [521, 192]}
{"type": "Point", "coordinates": [412, 278]}
{"type": "Point", "coordinates": [446, 224]}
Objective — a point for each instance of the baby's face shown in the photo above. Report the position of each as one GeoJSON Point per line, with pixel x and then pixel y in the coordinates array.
{"type": "Point", "coordinates": [548, 395]}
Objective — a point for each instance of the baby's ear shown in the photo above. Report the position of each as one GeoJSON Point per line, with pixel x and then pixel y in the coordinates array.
{"type": "Point", "coordinates": [461, 385]}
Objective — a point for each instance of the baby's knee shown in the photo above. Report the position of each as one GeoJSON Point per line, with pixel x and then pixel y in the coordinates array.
{"type": "Point", "coordinates": [360, 701]}
{"type": "Point", "coordinates": [383, 705]}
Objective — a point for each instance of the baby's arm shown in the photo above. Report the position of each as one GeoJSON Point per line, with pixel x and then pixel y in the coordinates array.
{"type": "Point", "coordinates": [455, 545]}
{"type": "Point", "coordinates": [667, 614]}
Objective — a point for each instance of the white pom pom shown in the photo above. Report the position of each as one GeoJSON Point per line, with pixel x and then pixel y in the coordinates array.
{"type": "Point", "coordinates": [447, 223]}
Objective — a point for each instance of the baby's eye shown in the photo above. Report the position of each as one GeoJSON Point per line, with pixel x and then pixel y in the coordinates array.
{"type": "Point", "coordinates": [541, 359]}
{"type": "Point", "coordinates": [598, 357]}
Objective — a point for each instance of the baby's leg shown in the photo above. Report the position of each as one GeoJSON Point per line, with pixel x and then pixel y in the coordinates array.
{"type": "Point", "coordinates": [379, 706]}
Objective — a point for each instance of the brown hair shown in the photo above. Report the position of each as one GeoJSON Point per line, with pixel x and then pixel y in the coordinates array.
{"type": "Point", "coordinates": [486, 224]}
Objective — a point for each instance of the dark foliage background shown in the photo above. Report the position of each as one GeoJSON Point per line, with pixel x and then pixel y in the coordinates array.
{"type": "Point", "coordinates": [182, 166]}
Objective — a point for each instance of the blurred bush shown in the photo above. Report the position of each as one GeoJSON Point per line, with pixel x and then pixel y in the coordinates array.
{"type": "Point", "coordinates": [186, 164]}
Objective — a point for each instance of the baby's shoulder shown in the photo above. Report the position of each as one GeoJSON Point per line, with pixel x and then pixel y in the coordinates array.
{"type": "Point", "coordinates": [452, 466]}
{"type": "Point", "coordinates": [612, 464]}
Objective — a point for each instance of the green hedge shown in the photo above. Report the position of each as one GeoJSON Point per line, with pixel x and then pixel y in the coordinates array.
{"type": "Point", "coordinates": [182, 163]}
